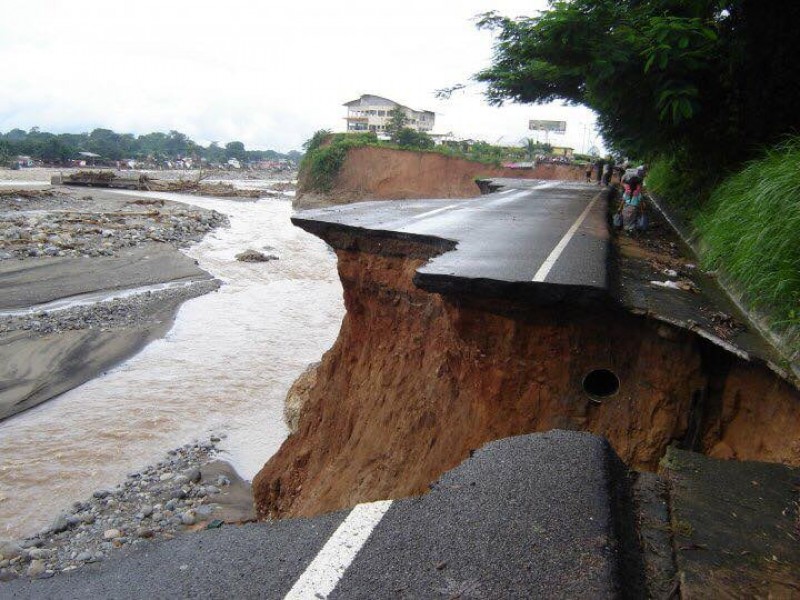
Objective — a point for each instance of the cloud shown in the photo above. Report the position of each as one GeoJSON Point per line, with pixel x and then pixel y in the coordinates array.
{"type": "Point", "coordinates": [266, 74]}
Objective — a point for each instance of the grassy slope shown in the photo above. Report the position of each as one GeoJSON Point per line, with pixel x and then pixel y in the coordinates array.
{"type": "Point", "coordinates": [749, 229]}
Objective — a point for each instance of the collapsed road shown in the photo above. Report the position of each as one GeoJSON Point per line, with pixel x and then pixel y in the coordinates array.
{"type": "Point", "coordinates": [469, 322]}
{"type": "Point", "coordinates": [511, 313]}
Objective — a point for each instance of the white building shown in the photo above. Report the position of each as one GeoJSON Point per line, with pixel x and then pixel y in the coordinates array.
{"type": "Point", "coordinates": [371, 113]}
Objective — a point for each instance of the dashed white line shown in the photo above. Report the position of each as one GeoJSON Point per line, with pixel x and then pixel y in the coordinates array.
{"type": "Point", "coordinates": [551, 259]}
{"type": "Point", "coordinates": [324, 572]}
{"type": "Point", "coordinates": [433, 212]}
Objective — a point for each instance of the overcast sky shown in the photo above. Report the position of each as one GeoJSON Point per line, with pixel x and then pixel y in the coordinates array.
{"type": "Point", "coordinates": [266, 73]}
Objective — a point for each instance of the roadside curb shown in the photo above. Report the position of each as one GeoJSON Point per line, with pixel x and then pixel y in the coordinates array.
{"type": "Point", "coordinates": [781, 342]}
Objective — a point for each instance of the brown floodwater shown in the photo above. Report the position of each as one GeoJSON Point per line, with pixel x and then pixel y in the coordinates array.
{"type": "Point", "coordinates": [223, 368]}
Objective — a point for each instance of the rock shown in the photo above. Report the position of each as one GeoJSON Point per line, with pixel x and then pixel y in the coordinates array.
{"type": "Point", "coordinates": [204, 511]}
{"type": "Point", "coordinates": [100, 494]}
{"type": "Point", "coordinates": [297, 396]}
{"type": "Point", "coordinates": [193, 475]}
{"type": "Point", "coordinates": [110, 534]}
{"type": "Point", "coordinates": [9, 550]}
{"type": "Point", "coordinates": [144, 532]}
{"type": "Point", "coordinates": [7, 575]}
{"type": "Point", "coordinates": [39, 553]}
{"type": "Point", "coordinates": [189, 517]}
{"type": "Point", "coordinates": [36, 568]}
{"type": "Point", "coordinates": [146, 510]}
{"type": "Point", "coordinates": [222, 481]}
{"type": "Point", "coordinates": [212, 489]}
{"type": "Point", "coordinates": [255, 256]}
{"type": "Point", "coordinates": [84, 556]}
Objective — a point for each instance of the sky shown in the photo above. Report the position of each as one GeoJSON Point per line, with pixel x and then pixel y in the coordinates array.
{"type": "Point", "coordinates": [267, 74]}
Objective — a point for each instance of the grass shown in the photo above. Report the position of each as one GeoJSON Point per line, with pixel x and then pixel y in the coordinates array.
{"type": "Point", "coordinates": [750, 230]}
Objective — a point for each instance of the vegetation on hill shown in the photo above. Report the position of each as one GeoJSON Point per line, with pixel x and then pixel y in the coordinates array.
{"type": "Point", "coordinates": [157, 146]}
{"type": "Point", "coordinates": [696, 88]}
{"type": "Point", "coordinates": [326, 151]}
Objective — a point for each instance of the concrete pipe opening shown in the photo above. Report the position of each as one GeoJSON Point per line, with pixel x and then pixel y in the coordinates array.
{"type": "Point", "coordinates": [600, 384]}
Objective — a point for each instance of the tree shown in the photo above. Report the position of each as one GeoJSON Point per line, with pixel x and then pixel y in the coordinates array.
{"type": "Point", "coordinates": [663, 75]}
{"type": "Point", "coordinates": [235, 150]}
{"type": "Point", "coordinates": [397, 121]}
{"type": "Point", "coordinates": [410, 138]}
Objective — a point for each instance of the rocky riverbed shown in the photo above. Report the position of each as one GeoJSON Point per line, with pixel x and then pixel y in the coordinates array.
{"type": "Point", "coordinates": [116, 313]}
{"type": "Point", "coordinates": [60, 222]}
{"type": "Point", "coordinates": [187, 490]}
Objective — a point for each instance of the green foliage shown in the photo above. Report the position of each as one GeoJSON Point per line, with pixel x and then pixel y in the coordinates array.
{"type": "Point", "coordinates": [325, 155]}
{"type": "Point", "coordinates": [675, 179]}
{"type": "Point", "coordinates": [157, 146]}
{"type": "Point", "coordinates": [412, 139]}
{"type": "Point", "coordinates": [398, 120]}
{"type": "Point", "coordinates": [661, 74]}
{"type": "Point", "coordinates": [751, 228]}
{"type": "Point", "coordinates": [320, 137]}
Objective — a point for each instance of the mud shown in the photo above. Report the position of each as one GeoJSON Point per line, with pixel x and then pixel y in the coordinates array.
{"type": "Point", "coordinates": [387, 174]}
{"type": "Point", "coordinates": [417, 380]}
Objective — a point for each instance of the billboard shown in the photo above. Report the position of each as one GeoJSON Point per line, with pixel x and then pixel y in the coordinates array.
{"type": "Point", "coordinates": [555, 126]}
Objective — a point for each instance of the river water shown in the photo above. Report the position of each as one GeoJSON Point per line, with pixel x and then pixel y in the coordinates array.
{"type": "Point", "coordinates": [224, 368]}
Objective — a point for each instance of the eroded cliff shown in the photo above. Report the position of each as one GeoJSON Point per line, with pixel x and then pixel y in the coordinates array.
{"type": "Point", "coordinates": [417, 380]}
{"type": "Point", "coordinates": [387, 174]}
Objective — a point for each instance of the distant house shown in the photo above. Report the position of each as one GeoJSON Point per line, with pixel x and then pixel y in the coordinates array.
{"type": "Point", "coordinates": [371, 113]}
{"type": "Point", "coordinates": [24, 161]}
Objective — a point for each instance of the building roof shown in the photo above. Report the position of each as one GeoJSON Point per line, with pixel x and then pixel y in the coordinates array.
{"type": "Point", "coordinates": [373, 99]}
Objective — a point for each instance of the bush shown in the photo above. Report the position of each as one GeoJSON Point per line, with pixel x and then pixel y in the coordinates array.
{"type": "Point", "coordinates": [325, 155]}
{"type": "Point", "coordinates": [751, 227]}
{"type": "Point", "coordinates": [683, 185]}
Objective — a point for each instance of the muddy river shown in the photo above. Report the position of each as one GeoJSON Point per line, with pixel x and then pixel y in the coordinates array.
{"type": "Point", "coordinates": [224, 368]}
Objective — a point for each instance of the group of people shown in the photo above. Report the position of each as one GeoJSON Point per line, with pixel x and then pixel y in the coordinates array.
{"type": "Point", "coordinates": [630, 214]}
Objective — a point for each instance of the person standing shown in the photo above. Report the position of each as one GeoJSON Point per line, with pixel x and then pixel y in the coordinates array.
{"type": "Point", "coordinates": [632, 204]}
{"type": "Point", "coordinates": [607, 173]}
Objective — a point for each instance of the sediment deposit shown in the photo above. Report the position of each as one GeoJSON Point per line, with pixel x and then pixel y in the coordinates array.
{"type": "Point", "coordinates": [388, 174]}
{"type": "Point", "coordinates": [417, 380]}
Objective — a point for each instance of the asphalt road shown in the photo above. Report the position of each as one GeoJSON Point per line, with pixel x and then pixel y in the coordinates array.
{"type": "Point", "coordinates": [546, 240]}
{"type": "Point", "coordinates": [525, 517]}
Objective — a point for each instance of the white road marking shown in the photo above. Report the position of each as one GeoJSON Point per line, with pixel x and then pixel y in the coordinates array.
{"type": "Point", "coordinates": [433, 212]}
{"type": "Point", "coordinates": [507, 191]}
{"type": "Point", "coordinates": [548, 263]}
{"type": "Point", "coordinates": [323, 574]}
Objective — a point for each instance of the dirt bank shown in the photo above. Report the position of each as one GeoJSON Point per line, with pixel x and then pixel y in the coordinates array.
{"type": "Point", "coordinates": [416, 381]}
{"type": "Point", "coordinates": [387, 174]}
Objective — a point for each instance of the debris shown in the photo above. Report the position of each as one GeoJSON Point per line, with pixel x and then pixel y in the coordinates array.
{"type": "Point", "coordinates": [255, 256]}
{"type": "Point", "coordinates": [683, 284]}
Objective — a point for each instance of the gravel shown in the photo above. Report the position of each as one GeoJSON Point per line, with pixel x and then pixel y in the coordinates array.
{"type": "Point", "coordinates": [112, 314]}
{"type": "Point", "coordinates": [141, 509]}
{"type": "Point", "coordinates": [49, 223]}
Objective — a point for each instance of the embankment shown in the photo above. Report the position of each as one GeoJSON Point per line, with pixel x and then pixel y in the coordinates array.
{"type": "Point", "coordinates": [417, 380]}
{"type": "Point", "coordinates": [388, 174]}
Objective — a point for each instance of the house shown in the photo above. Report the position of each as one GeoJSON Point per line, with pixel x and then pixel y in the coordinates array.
{"type": "Point", "coordinates": [371, 113]}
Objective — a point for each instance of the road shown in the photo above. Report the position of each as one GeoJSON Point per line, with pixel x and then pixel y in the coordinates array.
{"type": "Point", "coordinates": [525, 517]}
{"type": "Point", "coordinates": [546, 240]}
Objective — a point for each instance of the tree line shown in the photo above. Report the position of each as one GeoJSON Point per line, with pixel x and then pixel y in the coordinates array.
{"type": "Point", "coordinates": [111, 146]}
